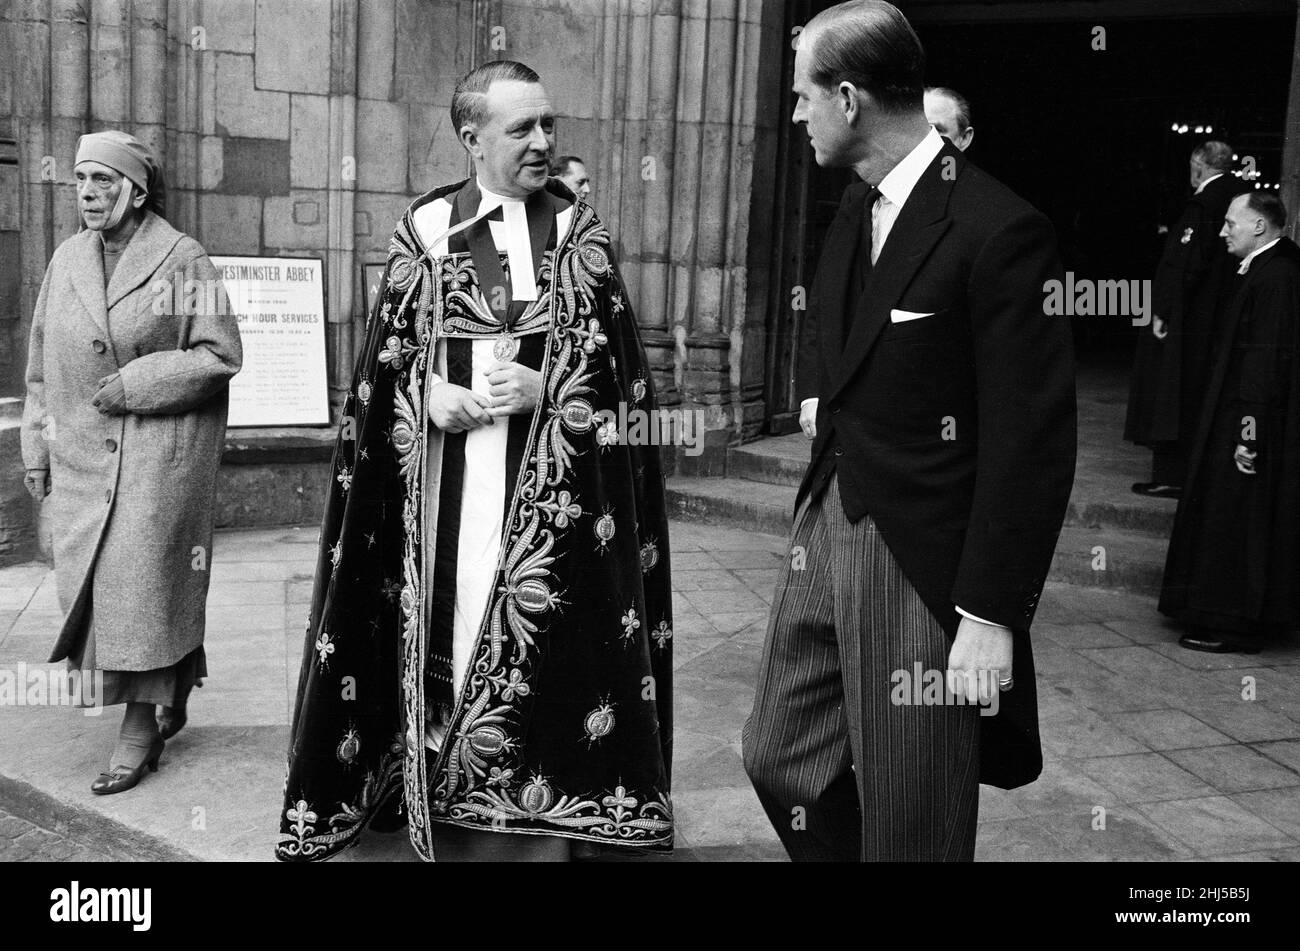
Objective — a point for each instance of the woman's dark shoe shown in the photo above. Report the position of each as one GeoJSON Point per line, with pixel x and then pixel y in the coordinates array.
{"type": "Point", "coordinates": [173, 719]}
{"type": "Point", "coordinates": [121, 778]}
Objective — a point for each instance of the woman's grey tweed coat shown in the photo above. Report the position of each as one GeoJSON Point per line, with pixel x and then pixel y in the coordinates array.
{"type": "Point", "coordinates": [132, 496]}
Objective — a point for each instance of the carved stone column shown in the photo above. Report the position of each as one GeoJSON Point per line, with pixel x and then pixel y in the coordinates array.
{"type": "Point", "coordinates": [340, 256]}
{"type": "Point", "coordinates": [676, 134]}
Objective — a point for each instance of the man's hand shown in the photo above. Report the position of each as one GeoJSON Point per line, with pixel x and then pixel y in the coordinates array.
{"type": "Point", "coordinates": [454, 409]}
{"type": "Point", "coordinates": [515, 388]}
{"type": "Point", "coordinates": [808, 418]}
{"type": "Point", "coordinates": [1245, 460]}
{"type": "Point", "coordinates": [979, 660]}
{"type": "Point", "coordinates": [1158, 328]}
{"type": "Point", "coordinates": [38, 483]}
{"type": "Point", "coordinates": [111, 398]}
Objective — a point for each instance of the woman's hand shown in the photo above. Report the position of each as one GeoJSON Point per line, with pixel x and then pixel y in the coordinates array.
{"type": "Point", "coordinates": [111, 398]}
{"type": "Point", "coordinates": [38, 483]}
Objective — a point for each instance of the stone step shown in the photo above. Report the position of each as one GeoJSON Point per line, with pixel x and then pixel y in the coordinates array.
{"type": "Point", "coordinates": [274, 476]}
{"type": "Point", "coordinates": [1141, 517]}
{"type": "Point", "coordinates": [781, 461]}
{"type": "Point", "coordinates": [1094, 557]}
{"type": "Point", "coordinates": [774, 461]}
{"type": "Point", "coordinates": [739, 503]}
{"type": "Point", "coordinates": [1110, 558]}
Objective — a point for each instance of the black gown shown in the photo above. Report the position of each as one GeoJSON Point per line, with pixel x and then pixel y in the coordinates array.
{"type": "Point", "coordinates": [1191, 282]}
{"type": "Point", "coordinates": [1234, 556]}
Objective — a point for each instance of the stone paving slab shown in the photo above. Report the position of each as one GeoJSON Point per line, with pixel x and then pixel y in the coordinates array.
{"type": "Point", "coordinates": [24, 841]}
{"type": "Point", "coordinates": [1152, 753]}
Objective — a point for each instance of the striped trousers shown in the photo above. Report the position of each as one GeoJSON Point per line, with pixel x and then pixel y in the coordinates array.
{"type": "Point", "coordinates": [843, 772]}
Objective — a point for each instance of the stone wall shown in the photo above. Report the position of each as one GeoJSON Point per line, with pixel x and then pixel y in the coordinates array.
{"type": "Point", "coordinates": [304, 127]}
{"type": "Point", "coordinates": [17, 510]}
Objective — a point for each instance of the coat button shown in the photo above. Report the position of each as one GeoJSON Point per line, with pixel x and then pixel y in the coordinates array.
{"type": "Point", "coordinates": [839, 451]}
{"type": "Point", "coordinates": [108, 495]}
{"type": "Point", "coordinates": [110, 445]}
{"type": "Point", "coordinates": [99, 346]}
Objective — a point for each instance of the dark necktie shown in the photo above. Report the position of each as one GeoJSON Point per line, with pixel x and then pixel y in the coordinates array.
{"type": "Point", "coordinates": [861, 266]}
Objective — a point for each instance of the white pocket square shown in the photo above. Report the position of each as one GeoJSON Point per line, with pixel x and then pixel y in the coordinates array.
{"type": "Point", "coordinates": [902, 316]}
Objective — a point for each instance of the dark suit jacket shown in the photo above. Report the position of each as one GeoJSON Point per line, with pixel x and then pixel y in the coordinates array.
{"type": "Point", "coordinates": [956, 432]}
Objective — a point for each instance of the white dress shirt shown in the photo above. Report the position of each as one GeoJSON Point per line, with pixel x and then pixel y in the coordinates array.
{"type": "Point", "coordinates": [895, 188]}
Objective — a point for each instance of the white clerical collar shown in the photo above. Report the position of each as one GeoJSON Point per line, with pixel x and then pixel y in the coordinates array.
{"type": "Point", "coordinates": [1245, 262]}
{"type": "Point", "coordinates": [902, 178]}
{"type": "Point", "coordinates": [492, 198]}
{"type": "Point", "coordinates": [1201, 187]}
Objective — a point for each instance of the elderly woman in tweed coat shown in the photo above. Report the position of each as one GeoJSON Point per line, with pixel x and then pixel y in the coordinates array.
{"type": "Point", "coordinates": [123, 432]}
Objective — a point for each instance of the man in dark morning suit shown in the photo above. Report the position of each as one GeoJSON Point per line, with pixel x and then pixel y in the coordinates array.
{"type": "Point", "coordinates": [941, 402]}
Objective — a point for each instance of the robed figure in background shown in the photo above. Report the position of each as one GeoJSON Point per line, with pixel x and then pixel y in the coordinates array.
{"type": "Point", "coordinates": [489, 644]}
{"type": "Point", "coordinates": [1173, 359]}
{"type": "Point", "coordinates": [1234, 557]}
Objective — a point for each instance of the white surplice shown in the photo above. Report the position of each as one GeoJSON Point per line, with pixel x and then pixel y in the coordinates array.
{"type": "Point", "coordinates": [482, 504]}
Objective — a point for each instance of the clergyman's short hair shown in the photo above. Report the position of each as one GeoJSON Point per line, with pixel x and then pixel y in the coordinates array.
{"type": "Point", "coordinates": [468, 101]}
{"type": "Point", "coordinates": [562, 164]}
{"type": "Point", "coordinates": [870, 44]}
{"type": "Point", "coordinates": [1268, 206]}
{"type": "Point", "coordinates": [1215, 155]}
{"type": "Point", "coordinates": [958, 100]}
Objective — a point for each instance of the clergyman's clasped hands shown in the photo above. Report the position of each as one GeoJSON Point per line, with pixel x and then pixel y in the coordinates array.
{"type": "Point", "coordinates": [512, 389]}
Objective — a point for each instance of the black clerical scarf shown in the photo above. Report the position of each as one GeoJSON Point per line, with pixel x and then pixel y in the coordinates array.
{"type": "Point", "coordinates": [540, 210]}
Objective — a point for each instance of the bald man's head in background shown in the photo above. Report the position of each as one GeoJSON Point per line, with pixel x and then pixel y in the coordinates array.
{"type": "Point", "coordinates": [573, 172]}
{"type": "Point", "coordinates": [949, 112]}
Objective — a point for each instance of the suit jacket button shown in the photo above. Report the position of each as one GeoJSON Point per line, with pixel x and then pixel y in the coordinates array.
{"type": "Point", "coordinates": [108, 495]}
{"type": "Point", "coordinates": [99, 346]}
{"type": "Point", "coordinates": [110, 445]}
{"type": "Point", "coordinates": [839, 451]}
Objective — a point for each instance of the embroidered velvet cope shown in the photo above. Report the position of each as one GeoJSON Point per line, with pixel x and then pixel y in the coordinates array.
{"type": "Point", "coordinates": [563, 726]}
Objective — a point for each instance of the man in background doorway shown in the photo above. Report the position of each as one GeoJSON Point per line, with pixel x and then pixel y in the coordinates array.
{"type": "Point", "coordinates": [573, 172]}
{"type": "Point", "coordinates": [949, 112]}
{"type": "Point", "coordinates": [1171, 367]}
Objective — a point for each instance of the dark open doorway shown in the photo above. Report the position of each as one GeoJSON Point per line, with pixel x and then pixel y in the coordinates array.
{"type": "Point", "coordinates": [1085, 134]}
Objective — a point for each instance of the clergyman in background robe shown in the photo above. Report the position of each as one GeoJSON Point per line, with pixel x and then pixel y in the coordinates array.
{"type": "Point", "coordinates": [1172, 363]}
{"type": "Point", "coordinates": [489, 644]}
{"type": "Point", "coordinates": [1234, 555]}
